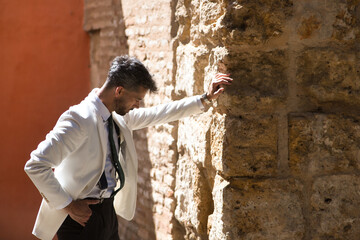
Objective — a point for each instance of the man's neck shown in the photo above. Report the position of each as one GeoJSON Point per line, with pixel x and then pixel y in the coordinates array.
{"type": "Point", "coordinates": [105, 95]}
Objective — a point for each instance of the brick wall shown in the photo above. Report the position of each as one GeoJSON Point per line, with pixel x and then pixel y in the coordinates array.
{"type": "Point", "coordinates": [277, 156]}
{"type": "Point", "coordinates": [142, 29]}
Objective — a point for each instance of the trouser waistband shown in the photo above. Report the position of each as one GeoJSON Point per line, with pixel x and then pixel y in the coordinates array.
{"type": "Point", "coordinates": [102, 200]}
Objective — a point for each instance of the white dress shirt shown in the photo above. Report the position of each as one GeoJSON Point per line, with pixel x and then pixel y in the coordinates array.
{"type": "Point", "coordinates": [110, 171]}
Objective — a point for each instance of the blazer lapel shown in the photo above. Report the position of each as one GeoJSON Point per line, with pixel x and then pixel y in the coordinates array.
{"type": "Point", "coordinates": [103, 138]}
{"type": "Point", "coordinates": [128, 139]}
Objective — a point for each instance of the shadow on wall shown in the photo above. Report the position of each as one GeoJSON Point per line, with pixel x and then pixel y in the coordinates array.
{"type": "Point", "coordinates": [142, 226]}
{"type": "Point", "coordinates": [103, 49]}
{"type": "Point", "coordinates": [106, 26]}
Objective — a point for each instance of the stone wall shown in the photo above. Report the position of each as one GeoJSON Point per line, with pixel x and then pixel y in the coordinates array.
{"type": "Point", "coordinates": [277, 156]}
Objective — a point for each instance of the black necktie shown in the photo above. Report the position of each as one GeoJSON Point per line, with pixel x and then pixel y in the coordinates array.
{"type": "Point", "coordinates": [114, 156]}
{"type": "Point", "coordinates": [103, 181]}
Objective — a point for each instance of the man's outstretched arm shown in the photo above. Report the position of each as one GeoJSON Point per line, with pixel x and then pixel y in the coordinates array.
{"type": "Point", "coordinates": [160, 114]}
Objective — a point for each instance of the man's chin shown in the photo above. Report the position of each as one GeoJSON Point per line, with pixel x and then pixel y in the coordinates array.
{"type": "Point", "coordinates": [123, 113]}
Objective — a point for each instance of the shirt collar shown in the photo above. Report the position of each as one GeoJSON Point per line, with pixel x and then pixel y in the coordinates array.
{"type": "Point", "coordinates": [100, 107]}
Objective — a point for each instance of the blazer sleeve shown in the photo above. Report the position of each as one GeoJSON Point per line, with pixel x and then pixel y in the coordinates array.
{"type": "Point", "coordinates": [164, 113]}
{"type": "Point", "coordinates": [64, 139]}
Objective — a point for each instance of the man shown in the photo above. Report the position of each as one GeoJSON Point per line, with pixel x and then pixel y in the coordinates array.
{"type": "Point", "coordinates": [86, 168]}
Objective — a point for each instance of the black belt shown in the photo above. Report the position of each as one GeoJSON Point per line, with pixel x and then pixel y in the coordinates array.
{"type": "Point", "coordinates": [101, 200]}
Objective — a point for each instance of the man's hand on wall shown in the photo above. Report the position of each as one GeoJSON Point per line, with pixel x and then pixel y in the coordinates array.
{"type": "Point", "coordinates": [217, 85]}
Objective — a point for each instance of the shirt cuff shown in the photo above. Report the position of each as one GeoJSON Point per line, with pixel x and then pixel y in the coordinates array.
{"type": "Point", "coordinates": [68, 201]}
{"type": "Point", "coordinates": [201, 106]}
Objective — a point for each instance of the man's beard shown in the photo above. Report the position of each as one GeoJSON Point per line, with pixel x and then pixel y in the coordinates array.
{"type": "Point", "coordinates": [119, 107]}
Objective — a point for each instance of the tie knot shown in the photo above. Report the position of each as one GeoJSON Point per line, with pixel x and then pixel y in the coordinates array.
{"type": "Point", "coordinates": [110, 118]}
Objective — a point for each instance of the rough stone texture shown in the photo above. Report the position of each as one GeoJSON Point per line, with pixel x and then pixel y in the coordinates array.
{"type": "Point", "coordinates": [335, 207]}
{"type": "Point", "coordinates": [332, 76]}
{"type": "Point", "coordinates": [346, 26]}
{"type": "Point", "coordinates": [255, 22]}
{"type": "Point", "coordinates": [262, 83]}
{"type": "Point", "coordinates": [323, 144]}
{"type": "Point", "coordinates": [193, 188]}
{"type": "Point", "coordinates": [276, 156]}
{"type": "Point", "coordinates": [262, 209]}
{"type": "Point", "coordinates": [328, 20]}
{"type": "Point", "coordinates": [250, 147]}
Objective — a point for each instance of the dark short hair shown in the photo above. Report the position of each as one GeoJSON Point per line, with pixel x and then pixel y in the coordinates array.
{"type": "Point", "coordinates": [129, 73]}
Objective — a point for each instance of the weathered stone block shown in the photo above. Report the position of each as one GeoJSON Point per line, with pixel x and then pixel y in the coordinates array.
{"type": "Point", "coordinates": [255, 22]}
{"type": "Point", "coordinates": [259, 209]}
{"type": "Point", "coordinates": [323, 144]}
{"type": "Point", "coordinates": [210, 13]}
{"type": "Point", "coordinates": [260, 81]}
{"type": "Point", "coordinates": [346, 25]}
{"type": "Point", "coordinates": [335, 209]}
{"type": "Point", "coordinates": [327, 20]}
{"type": "Point", "coordinates": [193, 198]}
{"type": "Point", "coordinates": [193, 134]}
{"type": "Point", "coordinates": [308, 26]}
{"type": "Point", "coordinates": [250, 146]}
{"type": "Point", "coordinates": [217, 139]}
{"type": "Point", "coordinates": [249, 162]}
{"type": "Point", "coordinates": [251, 131]}
{"type": "Point", "coordinates": [258, 73]}
{"type": "Point", "coordinates": [192, 191]}
{"type": "Point", "coordinates": [215, 224]}
{"type": "Point", "coordinates": [183, 19]}
{"type": "Point", "coordinates": [191, 62]}
{"type": "Point", "coordinates": [329, 77]}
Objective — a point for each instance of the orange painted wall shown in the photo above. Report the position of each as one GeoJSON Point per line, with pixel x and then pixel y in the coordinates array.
{"type": "Point", "coordinates": [44, 68]}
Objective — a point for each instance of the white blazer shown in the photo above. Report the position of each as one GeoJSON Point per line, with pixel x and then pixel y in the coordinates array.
{"type": "Point", "coordinates": [76, 149]}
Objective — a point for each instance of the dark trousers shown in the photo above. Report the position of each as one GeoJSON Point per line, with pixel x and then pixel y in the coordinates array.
{"type": "Point", "coordinates": [102, 225]}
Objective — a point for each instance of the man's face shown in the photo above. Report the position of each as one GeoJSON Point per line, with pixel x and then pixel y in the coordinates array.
{"type": "Point", "coordinates": [127, 100]}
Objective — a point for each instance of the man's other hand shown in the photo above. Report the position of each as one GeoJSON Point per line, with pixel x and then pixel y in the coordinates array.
{"type": "Point", "coordinates": [80, 211]}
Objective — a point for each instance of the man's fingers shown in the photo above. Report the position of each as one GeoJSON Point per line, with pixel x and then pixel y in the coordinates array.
{"type": "Point", "coordinates": [229, 79]}
{"type": "Point", "coordinates": [222, 74]}
{"type": "Point", "coordinates": [82, 222]}
{"type": "Point", "coordinates": [92, 201]}
{"type": "Point", "coordinates": [80, 219]}
{"type": "Point", "coordinates": [218, 92]}
{"type": "Point", "coordinates": [221, 82]}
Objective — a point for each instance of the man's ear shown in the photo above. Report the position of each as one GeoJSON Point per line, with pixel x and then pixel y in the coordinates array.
{"type": "Point", "coordinates": [118, 91]}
